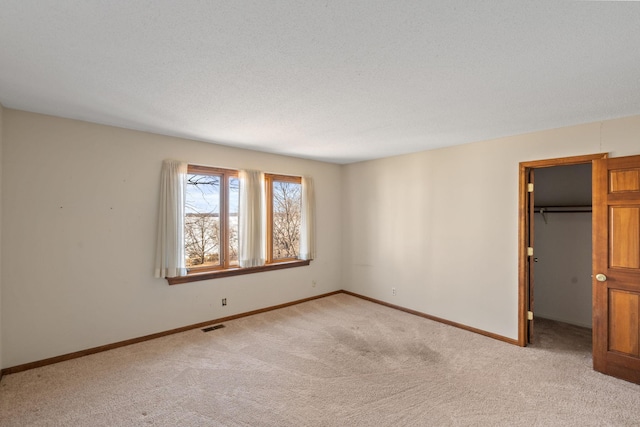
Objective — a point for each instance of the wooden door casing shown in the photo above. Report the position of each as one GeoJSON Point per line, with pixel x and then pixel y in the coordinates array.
{"type": "Point", "coordinates": [525, 228]}
{"type": "Point", "coordinates": [616, 254]}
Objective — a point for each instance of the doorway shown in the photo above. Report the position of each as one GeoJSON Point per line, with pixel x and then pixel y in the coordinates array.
{"type": "Point", "coordinates": [562, 251]}
{"type": "Point", "coordinates": [561, 191]}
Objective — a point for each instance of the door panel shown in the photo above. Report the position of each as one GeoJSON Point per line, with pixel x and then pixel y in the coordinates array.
{"type": "Point", "coordinates": [624, 237]}
{"type": "Point", "coordinates": [616, 267]}
{"type": "Point", "coordinates": [625, 180]}
{"type": "Point", "coordinates": [623, 310]}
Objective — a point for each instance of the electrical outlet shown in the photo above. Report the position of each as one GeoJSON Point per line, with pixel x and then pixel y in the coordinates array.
{"type": "Point", "coordinates": [313, 283]}
{"type": "Point", "coordinates": [393, 291]}
{"type": "Point", "coordinates": [224, 302]}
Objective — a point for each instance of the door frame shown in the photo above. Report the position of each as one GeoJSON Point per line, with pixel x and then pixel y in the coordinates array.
{"type": "Point", "coordinates": [524, 230]}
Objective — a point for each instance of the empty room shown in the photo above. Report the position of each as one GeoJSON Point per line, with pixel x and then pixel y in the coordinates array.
{"type": "Point", "coordinates": [319, 213]}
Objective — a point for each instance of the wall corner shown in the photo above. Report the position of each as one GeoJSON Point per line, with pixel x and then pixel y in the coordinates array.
{"type": "Point", "coordinates": [1, 148]}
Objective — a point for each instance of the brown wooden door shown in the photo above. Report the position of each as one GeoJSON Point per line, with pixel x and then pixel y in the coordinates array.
{"type": "Point", "coordinates": [616, 267]}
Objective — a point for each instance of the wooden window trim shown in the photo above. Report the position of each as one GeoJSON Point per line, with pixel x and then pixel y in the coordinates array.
{"type": "Point", "coordinates": [210, 170]}
{"type": "Point", "coordinates": [269, 178]}
{"type": "Point", "coordinates": [285, 178]}
{"type": "Point", "coordinates": [229, 272]}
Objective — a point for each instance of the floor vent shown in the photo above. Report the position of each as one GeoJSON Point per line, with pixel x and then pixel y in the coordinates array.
{"type": "Point", "coordinates": [212, 328]}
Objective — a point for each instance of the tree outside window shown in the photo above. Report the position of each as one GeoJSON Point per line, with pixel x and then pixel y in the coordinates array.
{"type": "Point", "coordinates": [284, 199]}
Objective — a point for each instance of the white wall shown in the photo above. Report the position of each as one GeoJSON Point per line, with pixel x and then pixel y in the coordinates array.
{"type": "Point", "coordinates": [562, 275]}
{"type": "Point", "coordinates": [442, 226]}
{"type": "Point", "coordinates": [78, 244]}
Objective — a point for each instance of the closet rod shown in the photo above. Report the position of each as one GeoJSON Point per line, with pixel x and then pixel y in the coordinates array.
{"type": "Point", "coordinates": [562, 209]}
{"type": "Point", "coordinates": [544, 210]}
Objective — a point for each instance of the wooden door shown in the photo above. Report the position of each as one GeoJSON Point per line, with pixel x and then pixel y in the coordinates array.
{"type": "Point", "coordinates": [616, 267]}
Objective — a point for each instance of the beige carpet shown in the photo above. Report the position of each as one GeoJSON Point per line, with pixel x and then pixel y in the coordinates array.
{"type": "Point", "coordinates": [337, 361]}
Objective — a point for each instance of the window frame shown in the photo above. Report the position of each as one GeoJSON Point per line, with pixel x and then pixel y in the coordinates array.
{"type": "Point", "coordinates": [225, 180]}
{"type": "Point", "coordinates": [225, 269]}
{"type": "Point", "coordinates": [269, 181]}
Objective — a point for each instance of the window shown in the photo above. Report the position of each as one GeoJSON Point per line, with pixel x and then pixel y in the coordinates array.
{"type": "Point", "coordinates": [284, 216]}
{"type": "Point", "coordinates": [211, 223]}
{"type": "Point", "coordinates": [211, 218]}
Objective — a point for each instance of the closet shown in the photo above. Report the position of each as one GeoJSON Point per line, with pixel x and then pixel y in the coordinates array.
{"type": "Point", "coordinates": [562, 241]}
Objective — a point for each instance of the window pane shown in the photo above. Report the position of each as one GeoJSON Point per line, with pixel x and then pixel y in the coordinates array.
{"type": "Point", "coordinates": [234, 205]}
{"type": "Point", "coordinates": [287, 203]}
{"type": "Point", "coordinates": [202, 221]}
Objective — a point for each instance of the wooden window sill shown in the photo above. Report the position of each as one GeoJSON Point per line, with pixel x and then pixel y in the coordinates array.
{"type": "Point", "coordinates": [208, 275]}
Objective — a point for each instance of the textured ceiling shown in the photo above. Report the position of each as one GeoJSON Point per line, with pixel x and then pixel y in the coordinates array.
{"type": "Point", "coordinates": [339, 81]}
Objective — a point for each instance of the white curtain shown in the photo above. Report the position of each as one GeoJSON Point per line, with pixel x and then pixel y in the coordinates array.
{"type": "Point", "coordinates": [308, 222]}
{"type": "Point", "coordinates": [251, 221]}
{"type": "Point", "coordinates": [170, 239]}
